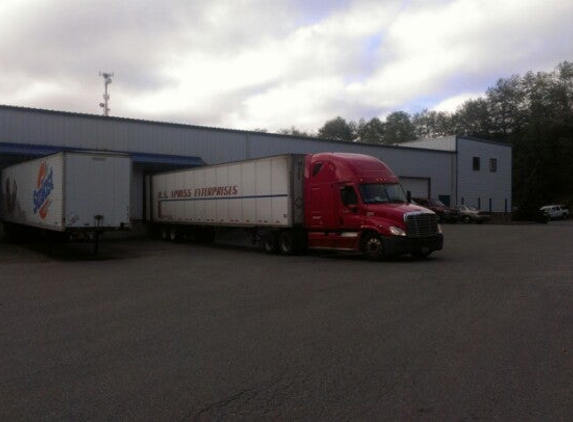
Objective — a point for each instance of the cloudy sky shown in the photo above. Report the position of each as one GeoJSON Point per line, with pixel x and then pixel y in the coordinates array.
{"type": "Point", "coordinates": [272, 64]}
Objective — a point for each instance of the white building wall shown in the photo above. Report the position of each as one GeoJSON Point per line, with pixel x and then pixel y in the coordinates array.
{"type": "Point", "coordinates": [490, 191]}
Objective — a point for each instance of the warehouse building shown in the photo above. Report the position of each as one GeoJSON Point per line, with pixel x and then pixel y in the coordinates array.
{"type": "Point", "coordinates": [481, 171]}
{"type": "Point", "coordinates": [458, 170]}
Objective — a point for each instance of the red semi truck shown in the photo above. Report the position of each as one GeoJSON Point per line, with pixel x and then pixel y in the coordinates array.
{"type": "Point", "coordinates": [294, 202]}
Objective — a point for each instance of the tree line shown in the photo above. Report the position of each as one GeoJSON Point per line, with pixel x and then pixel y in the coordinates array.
{"type": "Point", "coordinates": [533, 113]}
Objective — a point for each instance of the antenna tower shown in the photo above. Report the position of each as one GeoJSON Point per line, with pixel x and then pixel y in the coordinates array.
{"type": "Point", "coordinates": [106, 81]}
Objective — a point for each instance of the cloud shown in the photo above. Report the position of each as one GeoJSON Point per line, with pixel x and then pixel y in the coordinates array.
{"type": "Point", "coordinates": [451, 104]}
{"type": "Point", "coordinates": [257, 63]}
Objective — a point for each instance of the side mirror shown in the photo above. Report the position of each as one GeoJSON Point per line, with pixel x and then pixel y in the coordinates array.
{"type": "Point", "coordinates": [409, 196]}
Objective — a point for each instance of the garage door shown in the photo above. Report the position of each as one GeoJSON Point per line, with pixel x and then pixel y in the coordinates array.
{"type": "Point", "coordinates": [419, 187]}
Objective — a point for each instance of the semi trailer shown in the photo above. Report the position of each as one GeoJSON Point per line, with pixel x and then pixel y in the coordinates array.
{"type": "Point", "coordinates": [296, 202]}
{"type": "Point", "coordinates": [75, 194]}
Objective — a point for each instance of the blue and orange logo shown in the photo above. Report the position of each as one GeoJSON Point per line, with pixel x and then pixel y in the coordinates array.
{"type": "Point", "coordinates": [44, 186]}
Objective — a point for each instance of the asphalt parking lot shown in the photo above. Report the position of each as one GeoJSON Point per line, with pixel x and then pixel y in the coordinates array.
{"type": "Point", "coordinates": [482, 330]}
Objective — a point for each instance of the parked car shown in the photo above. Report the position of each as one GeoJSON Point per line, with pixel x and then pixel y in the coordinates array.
{"type": "Point", "coordinates": [471, 214]}
{"type": "Point", "coordinates": [554, 212]}
{"type": "Point", "coordinates": [445, 213]}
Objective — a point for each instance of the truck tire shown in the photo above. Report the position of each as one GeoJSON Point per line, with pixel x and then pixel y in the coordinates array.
{"type": "Point", "coordinates": [165, 233]}
{"type": "Point", "coordinates": [174, 234]}
{"type": "Point", "coordinates": [372, 247]}
{"type": "Point", "coordinates": [288, 243]}
{"type": "Point", "coordinates": [271, 243]}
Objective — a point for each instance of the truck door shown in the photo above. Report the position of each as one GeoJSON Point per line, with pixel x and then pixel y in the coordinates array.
{"type": "Point", "coordinates": [349, 220]}
{"type": "Point", "coordinates": [321, 216]}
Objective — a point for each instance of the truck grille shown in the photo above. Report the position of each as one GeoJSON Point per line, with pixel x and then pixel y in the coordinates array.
{"type": "Point", "coordinates": [422, 224]}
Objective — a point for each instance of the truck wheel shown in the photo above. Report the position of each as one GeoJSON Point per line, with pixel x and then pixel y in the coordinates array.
{"type": "Point", "coordinates": [373, 247]}
{"type": "Point", "coordinates": [271, 243]}
{"type": "Point", "coordinates": [165, 233]}
{"type": "Point", "coordinates": [288, 243]}
{"type": "Point", "coordinates": [174, 234]}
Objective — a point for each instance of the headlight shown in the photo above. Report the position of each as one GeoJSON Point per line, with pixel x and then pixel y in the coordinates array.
{"type": "Point", "coordinates": [397, 231]}
{"type": "Point", "coordinates": [439, 229]}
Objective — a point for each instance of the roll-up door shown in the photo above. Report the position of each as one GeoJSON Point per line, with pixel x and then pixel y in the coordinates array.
{"type": "Point", "coordinates": [419, 187]}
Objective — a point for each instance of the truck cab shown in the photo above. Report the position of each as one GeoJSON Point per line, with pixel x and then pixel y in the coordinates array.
{"type": "Point", "coordinates": [355, 202]}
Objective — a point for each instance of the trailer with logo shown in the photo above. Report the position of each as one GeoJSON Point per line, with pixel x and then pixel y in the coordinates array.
{"type": "Point", "coordinates": [77, 194]}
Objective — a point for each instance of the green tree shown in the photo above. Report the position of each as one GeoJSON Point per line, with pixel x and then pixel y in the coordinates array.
{"type": "Point", "coordinates": [399, 128]}
{"type": "Point", "coordinates": [543, 146]}
{"type": "Point", "coordinates": [506, 107]}
{"type": "Point", "coordinates": [431, 124]}
{"type": "Point", "coordinates": [371, 132]}
{"type": "Point", "coordinates": [473, 119]}
{"type": "Point", "coordinates": [293, 131]}
{"type": "Point", "coordinates": [338, 129]}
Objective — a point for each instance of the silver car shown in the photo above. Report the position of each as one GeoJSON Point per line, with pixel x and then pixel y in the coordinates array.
{"type": "Point", "coordinates": [472, 214]}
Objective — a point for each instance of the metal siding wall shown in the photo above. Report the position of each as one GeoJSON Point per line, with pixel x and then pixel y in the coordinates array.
{"type": "Point", "coordinates": [214, 146]}
{"type": "Point", "coordinates": [99, 133]}
{"type": "Point", "coordinates": [484, 184]}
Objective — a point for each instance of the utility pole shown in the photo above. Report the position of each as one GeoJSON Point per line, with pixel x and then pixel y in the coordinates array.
{"type": "Point", "coordinates": [106, 81]}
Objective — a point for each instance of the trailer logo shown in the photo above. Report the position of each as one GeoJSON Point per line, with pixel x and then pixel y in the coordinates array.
{"type": "Point", "coordinates": [207, 193]}
{"type": "Point", "coordinates": [44, 186]}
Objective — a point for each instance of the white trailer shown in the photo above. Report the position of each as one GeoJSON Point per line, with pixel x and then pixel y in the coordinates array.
{"type": "Point", "coordinates": [258, 193]}
{"type": "Point", "coordinates": [76, 193]}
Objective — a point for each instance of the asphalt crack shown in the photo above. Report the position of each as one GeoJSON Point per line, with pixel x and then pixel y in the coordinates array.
{"type": "Point", "coordinates": [245, 395]}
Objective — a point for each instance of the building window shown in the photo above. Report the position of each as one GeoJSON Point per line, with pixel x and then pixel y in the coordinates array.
{"type": "Point", "coordinates": [493, 165]}
{"type": "Point", "coordinates": [476, 163]}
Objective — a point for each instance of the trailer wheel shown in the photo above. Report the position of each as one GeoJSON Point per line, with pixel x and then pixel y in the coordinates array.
{"type": "Point", "coordinates": [372, 247]}
{"type": "Point", "coordinates": [271, 243]}
{"type": "Point", "coordinates": [288, 243]}
{"type": "Point", "coordinates": [174, 234]}
{"type": "Point", "coordinates": [165, 234]}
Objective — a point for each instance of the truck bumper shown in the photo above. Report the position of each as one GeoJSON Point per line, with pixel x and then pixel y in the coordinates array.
{"type": "Point", "coordinates": [396, 245]}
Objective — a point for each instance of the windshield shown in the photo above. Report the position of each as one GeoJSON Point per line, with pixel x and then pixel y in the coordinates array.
{"type": "Point", "coordinates": [379, 193]}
